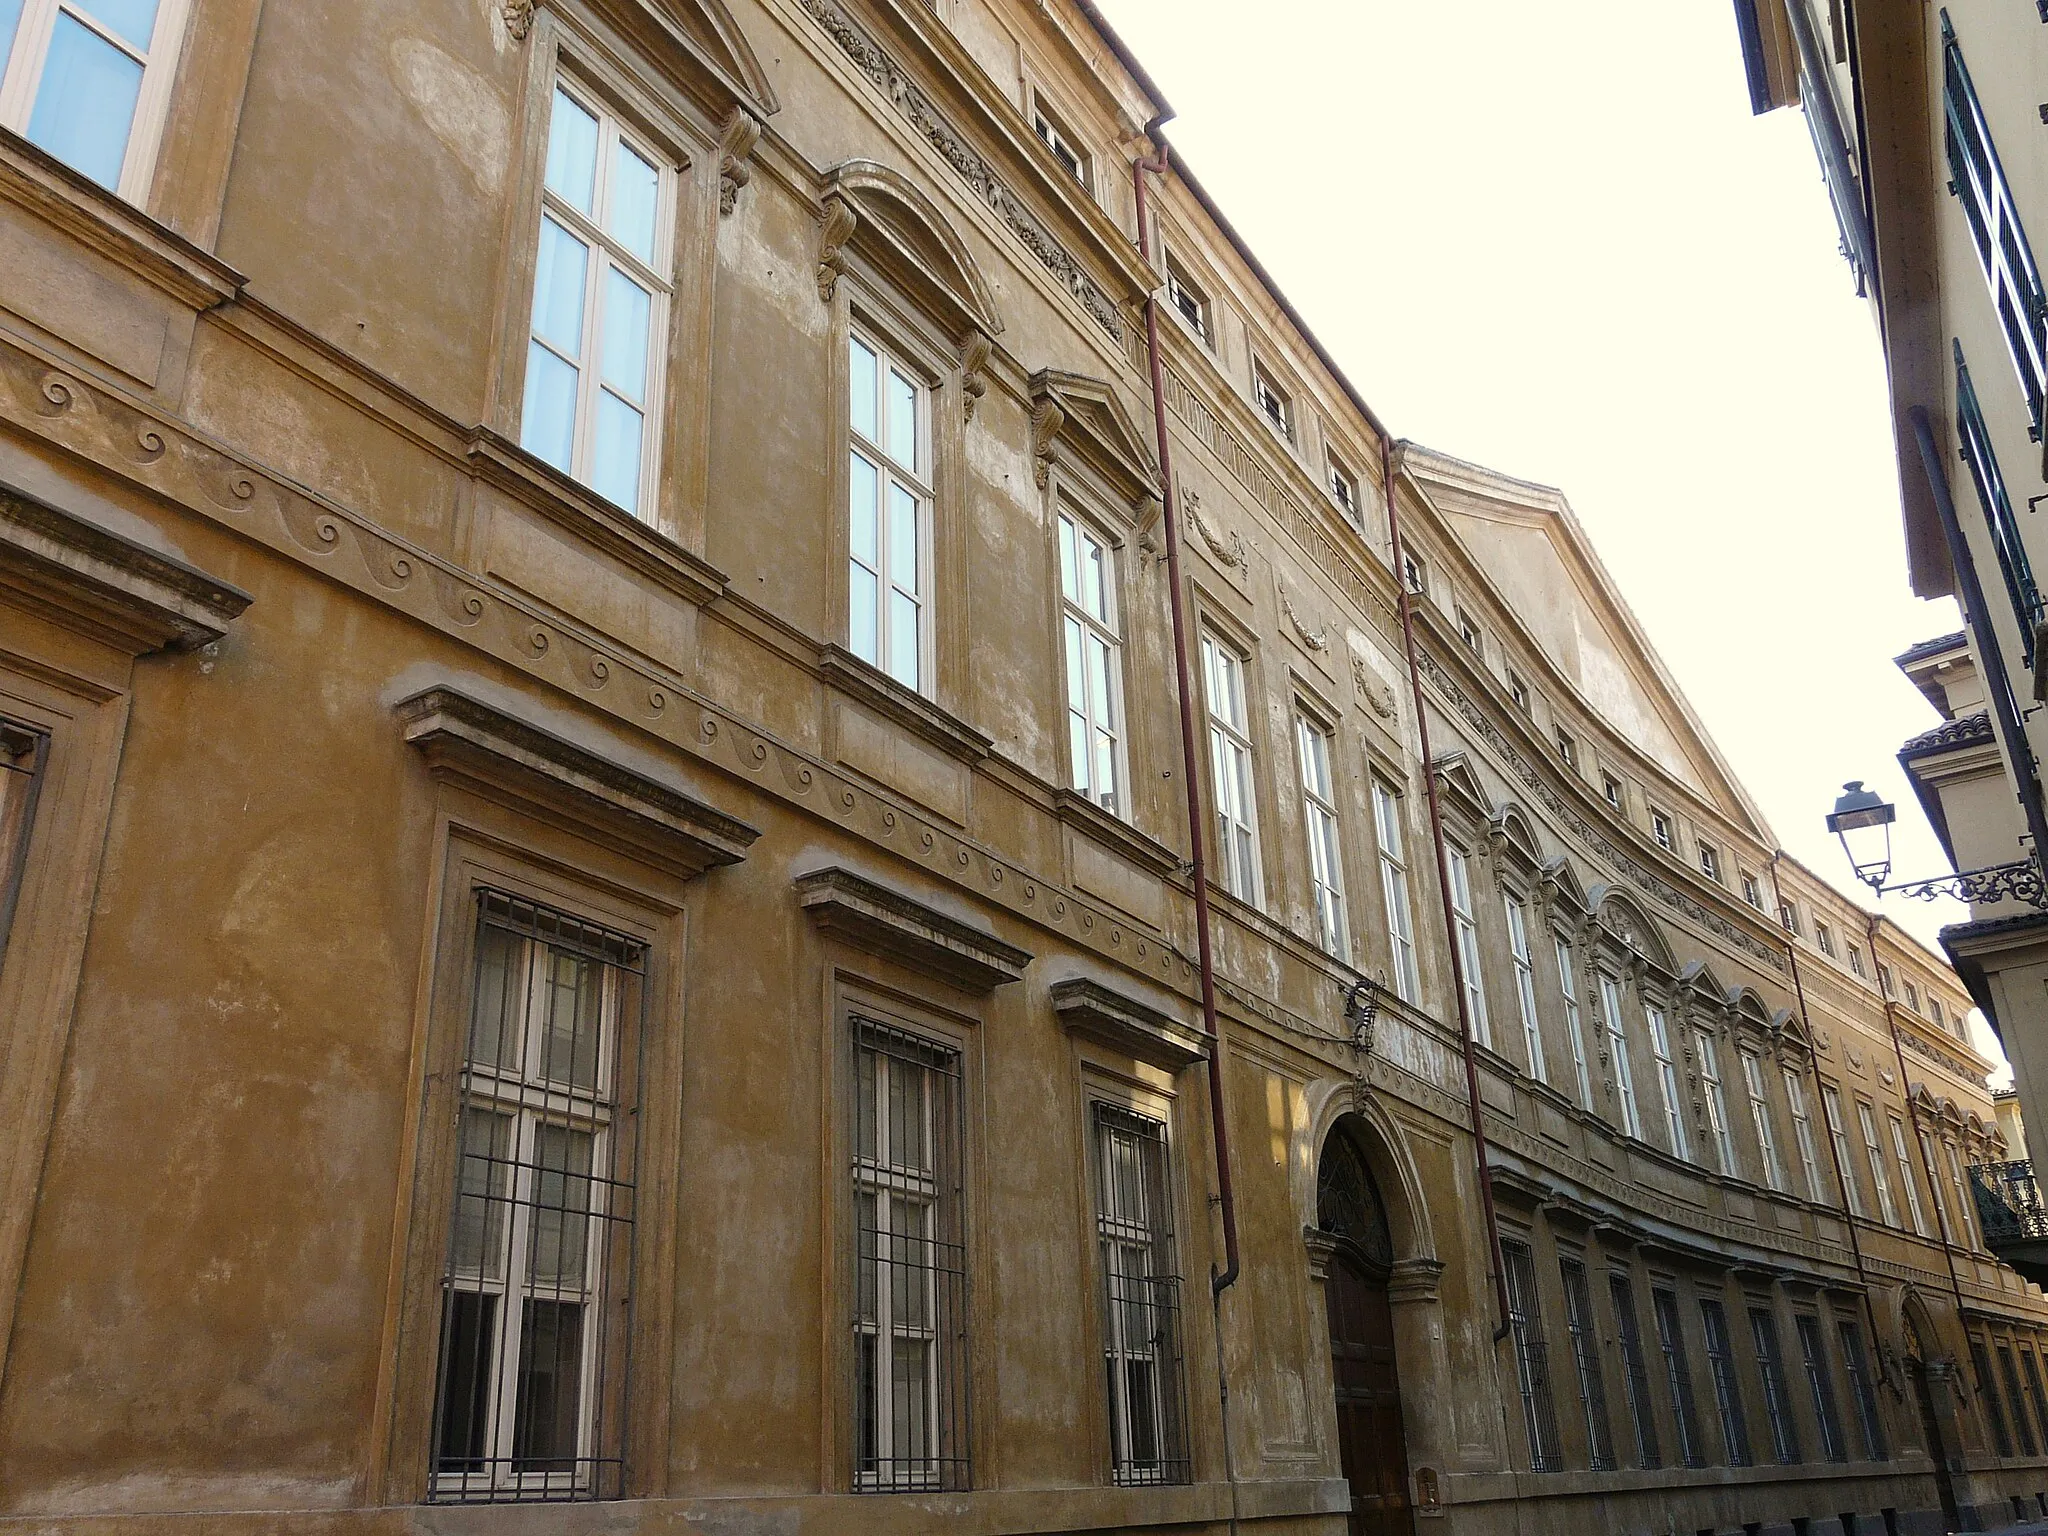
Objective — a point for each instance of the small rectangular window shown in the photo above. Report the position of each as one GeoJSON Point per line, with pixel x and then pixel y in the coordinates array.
{"type": "Point", "coordinates": [1092, 648]}
{"type": "Point", "coordinates": [889, 489]}
{"type": "Point", "coordinates": [1230, 769]}
{"type": "Point", "coordinates": [1325, 856]}
{"type": "Point", "coordinates": [89, 82]}
{"type": "Point", "coordinates": [1752, 892]}
{"type": "Point", "coordinates": [1763, 1332]}
{"type": "Point", "coordinates": [1189, 301]}
{"type": "Point", "coordinates": [1821, 1384]}
{"type": "Point", "coordinates": [1635, 1371]}
{"type": "Point", "coordinates": [1660, 829]}
{"type": "Point", "coordinates": [1856, 960]}
{"type": "Point", "coordinates": [1344, 489]}
{"type": "Point", "coordinates": [1518, 691]}
{"type": "Point", "coordinates": [1824, 936]}
{"type": "Point", "coordinates": [1567, 748]}
{"type": "Point", "coordinates": [1612, 792]}
{"type": "Point", "coordinates": [1532, 1365]}
{"type": "Point", "coordinates": [1578, 1322]}
{"type": "Point", "coordinates": [1912, 997]}
{"type": "Point", "coordinates": [1936, 1011]}
{"type": "Point", "coordinates": [1678, 1377]}
{"type": "Point", "coordinates": [1064, 144]}
{"type": "Point", "coordinates": [1386, 811]}
{"type": "Point", "coordinates": [1141, 1340]}
{"type": "Point", "coordinates": [1276, 404]}
{"type": "Point", "coordinates": [910, 1356]}
{"type": "Point", "coordinates": [1884, 978]}
{"type": "Point", "coordinates": [594, 376]}
{"type": "Point", "coordinates": [1710, 861]}
{"type": "Point", "coordinates": [531, 1391]}
{"type": "Point", "coordinates": [1468, 632]}
{"type": "Point", "coordinates": [1727, 1390]}
{"type": "Point", "coordinates": [1414, 574]}
{"type": "Point", "coordinates": [1788, 918]}
{"type": "Point", "coordinates": [1468, 945]}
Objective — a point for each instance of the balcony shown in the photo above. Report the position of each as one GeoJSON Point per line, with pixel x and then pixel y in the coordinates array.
{"type": "Point", "coordinates": [2015, 1222]}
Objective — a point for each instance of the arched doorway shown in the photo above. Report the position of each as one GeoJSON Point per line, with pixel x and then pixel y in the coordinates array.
{"type": "Point", "coordinates": [1371, 1441]}
{"type": "Point", "coordinates": [1917, 1367]}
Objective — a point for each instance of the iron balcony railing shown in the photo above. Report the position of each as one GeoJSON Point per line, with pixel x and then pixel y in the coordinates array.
{"type": "Point", "coordinates": [2009, 1203]}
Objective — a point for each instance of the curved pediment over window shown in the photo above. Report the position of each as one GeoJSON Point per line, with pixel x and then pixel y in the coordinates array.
{"type": "Point", "coordinates": [1081, 420]}
{"type": "Point", "coordinates": [882, 218]}
{"type": "Point", "coordinates": [1749, 1008]}
{"type": "Point", "coordinates": [1513, 833]}
{"type": "Point", "coordinates": [1623, 921]}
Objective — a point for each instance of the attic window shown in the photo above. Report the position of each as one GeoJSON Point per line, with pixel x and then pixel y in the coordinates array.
{"type": "Point", "coordinates": [1192, 303]}
{"type": "Point", "coordinates": [1468, 631]}
{"type": "Point", "coordinates": [1884, 978]}
{"type": "Point", "coordinates": [1519, 692]}
{"type": "Point", "coordinates": [1344, 488]}
{"type": "Point", "coordinates": [1856, 960]}
{"type": "Point", "coordinates": [1934, 1003]}
{"type": "Point", "coordinates": [1660, 829]}
{"type": "Point", "coordinates": [1414, 574]}
{"type": "Point", "coordinates": [1824, 936]}
{"type": "Point", "coordinates": [1751, 891]}
{"type": "Point", "coordinates": [1274, 402]}
{"type": "Point", "coordinates": [1612, 792]}
{"type": "Point", "coordinates": [1064, 144]}
{"type": "Point", "coordinates": [1788, 919]}
{"type": "Point", "coordinates": [1710, 861]}
{"type": "Point", "coordinates": [1567, 748]}
{"type": "Point", "coordinates": [1912, 997]}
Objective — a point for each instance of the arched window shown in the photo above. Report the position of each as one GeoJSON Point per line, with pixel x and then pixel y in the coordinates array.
{"type": "Point", "coordinates": [1348, 1203]}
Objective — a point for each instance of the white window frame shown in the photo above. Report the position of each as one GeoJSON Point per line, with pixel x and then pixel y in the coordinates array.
{"type": "Point", "coordinates": [1802, 1133]}
{"type": "Point", "coordinates": [1963, 1228]}
{"type": "Point", "coordinates": [1344, 490]}
{"type": "Point", "coordinates": [915, 480]}
{"type": "Point", "coordinates": [1314, 746]}
{"type": "Point", "coordinates": [1913, 1205]}
{"type": "Point", "coordinates": [1838, 1135]}
{"type": "Point", "coordinates": [1615, 793]}
{"type": "Point", "coordinates": [1525, 983]}
{"type": "Point", "coordinates": [1717, 1105]}
{"type": "Point", "coordinates": [1094, 705]}
{"type": "Point", "coordinates": [1567, 749]}
{"type": "Point", "coordinates": [1468, 632]}
{"type": "Point", "coordinates": [1190, 303]}
{"type": "Point", "coordinates": [1824, 938]}
{"type": "Point", "coordinates": [1760, 1117]}
{"type": "Point", "coordinates": [1667, 1081]}
{"type": "Point", "coordinates": [1274, 403]}
{"type": "Point", "coordinates": [1518, 692]}
{"type": "Point", "coordinates": [1386, 815]}
{"type": "Point", "coordinates": [1873, 1149]}
{"type": "Point", "coordinates": [21, 78]}
{"type": "Point", "coordinates": [606, 253]}
{"type": "Point", "coordinates": [1468, 944]}
{"type": "Point", "coordinates": [1856, 961]}
{"type": "Point", "coordinates": [1232, 771]}
{"type": "Point", "coordinates": [1617, 1049]}
{"type": "Point", "coordinates": [1574, 1024]}
{"type": "Point", "coordinates": [1752, 890]}
{"type": "Point", "coordinates": [1661, 831]}
{"type": "Point", "coordinates": [1710, 861]}
{"type": "Point", "coordinates": [1064, 143]}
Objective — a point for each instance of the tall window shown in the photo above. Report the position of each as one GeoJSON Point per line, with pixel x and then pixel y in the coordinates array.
{"type": "Point", "coordinates": [1912, 1185]}
{"type": "Point", "coordinates": [1635, 1371]}
{"type": "Point", "coordinates": [1230, 767]}
{"type": "Point", "coordinates": [1763, 1333]}
{"type": "Point", "coordinates": [1962, 1226]}
{"type": "Point", "coordinates": [1727, 1391]}
{"type": "Point", "coordinates": [2034, 1394]}
{"type": "Point", "coordinates": [1760, 1117]}
{"type": "Point", "coordinates": [1989, 481]}
{"type": "Point", "coordinates": [1667, 1082]}
{"type": "Point", "coordinates": [1862, 1391]}
{"type": "Point", "coordinates": [1386, 815]}
{"type": "Point", "coordinates": [600, 305]}
{"type": "Point", "coordinates": [1094, 655]}
{"type": "Point", "coordinates": [1325, 858]}
{"type": "Point", "coordinates": [530, 1402]}
{"type": "Point", "coordinates": [2009, 1378]}
{"type": "Point", "coordinates": [910, 1271]}
{"type": "Point", "coordinates": [1943, 1220]}
{"type": "Point", "coordinates": [1617, 1048]}
{"type": "Point", "coordinates": [1141, 1299]}
{"type": "Point", "coordinates": [1678, 1377]}
{"type": "Point", "coordinates": [1979, 183]}
{"type": "Point", "coordinates": [1822, 1385]}
{"type": "Point", "coordinates": [1802, 1134]}
{"type": "Point", "coordinates": [889, 513]}
{"type": "Point", "coordinates": [1717, 1104]}
{"type": "Point", "coordinates": [1468, 946]}
{"type": "Point", "coordinates": [1831, 1106]}
{"type": "Point", "coordinates": [1532, 1366]}
{"type": "Point", "coordinates": [89, 81]}
{"type": "Point", "coordinates": [1879, 1178]}
{"type": "Point", "coordinates": [1987, 1397]}
{"type": "Point", "coordinates": [1574, 1026]}
{"type": "Point", "coordinates": [1525, 984]}
{"type": "Point", "coordinates": [1578, 1322]}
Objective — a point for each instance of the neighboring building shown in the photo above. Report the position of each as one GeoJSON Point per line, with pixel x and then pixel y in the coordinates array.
{"type": "Point", "coordinates": [598, 899]}
{"type": "Point", "coordinates": [1927, 121]}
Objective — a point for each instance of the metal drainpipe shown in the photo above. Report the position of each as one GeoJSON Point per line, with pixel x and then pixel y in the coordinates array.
{"type": "Point", "coordinates": [1834, 1151]}
{"type": "Point", "coordinates": [1443, 886]}
{"type": "Point", "coordinates": [1870, 922]}
{"type": "Point", "coordinates": [1219, 1281]}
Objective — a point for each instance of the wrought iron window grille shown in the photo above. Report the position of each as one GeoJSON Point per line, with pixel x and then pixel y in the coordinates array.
{"type": "Point", "coordinates": [1141, 1288]}
{"type": "Point", "coordinates": [1532, 1364]}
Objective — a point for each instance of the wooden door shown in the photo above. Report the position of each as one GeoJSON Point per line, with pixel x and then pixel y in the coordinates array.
{"type": "Point", "coordinates": [1370, 1439]}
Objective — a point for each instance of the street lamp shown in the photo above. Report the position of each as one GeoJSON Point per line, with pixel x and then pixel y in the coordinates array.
{"type": "Point", "coordinates": [1862, 819]}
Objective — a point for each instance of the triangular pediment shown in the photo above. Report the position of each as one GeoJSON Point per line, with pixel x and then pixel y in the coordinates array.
{"type": "Point", "coordinates": [1461, 785]}
{"type": "Point", "coordinates": [1527, 544]}
{"type": "Point", "coordinates": [704, 33]}
{"type": "Point", "coordinates": [1086, 416]}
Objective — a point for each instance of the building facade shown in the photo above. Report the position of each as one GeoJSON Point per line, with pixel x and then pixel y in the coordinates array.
{"type": "Point", "coordinates": [1927, 120]}
{"type": "Point", "coordinates": [599, 907]}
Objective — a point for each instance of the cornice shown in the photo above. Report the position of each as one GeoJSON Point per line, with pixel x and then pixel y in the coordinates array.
{"type": "Point", "coordinates": [1963, 731]}
{"type": "Point", "coordinates": [905, 706]}
{"type": "Point", "coordinates": [1124, 1024]}
{"type": "Point", "coordinates": [875, 917]}
{"type": "Point", "coordinates": [1147, 852]}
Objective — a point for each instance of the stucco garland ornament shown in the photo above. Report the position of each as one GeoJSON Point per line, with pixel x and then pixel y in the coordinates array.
{"type": "Point", "coordinates": [1314, 639]}
{"type": "Point", "coordinates": [1230, 554]}
{"type": "Point", "coordinates": [1377, 693]}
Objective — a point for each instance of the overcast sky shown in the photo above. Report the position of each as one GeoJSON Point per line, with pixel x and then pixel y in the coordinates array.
{"type": "Point", "coordinates": [1570, 253]}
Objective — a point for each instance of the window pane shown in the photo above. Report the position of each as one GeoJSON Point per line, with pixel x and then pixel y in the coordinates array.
{"type": "Point", "coordinates": [550, 1387]}
{"type": "Point", "coordinates": [860, 379]}
{"type": "Point", "coordinates": [10, 23]}
{"type": "Point", "coordinates": [903, 639]}
{"type": "Point", "coordinates": [572, 152]}
{"type": "Point", "coordinates": [860, 616]}
{"type": "Point", "coordinates": [903, 538]}
{"type": "Point", "coordinates": [561, 1208]}
{"type": "Point", "coordinates": [1077, 747]}
{"type": "Point", "coordinates": [86, 102]}
{"type": "Point", "coordinates": [902, 421]}
{"type": "Point", "coordinates": [1105, 770]}
{"type": "Point", "coordinates": [558, 288]}
{"type": "Point", "coordinates": [468, 1329]}
{"type": "Point", "coordinates": [133, 20]}
{"type": "Point", "coordinates": [635, 189]}
{"type": "Point", "coordinates": [1098, 677]}
{"type": "Point", "coordinates": [615, 472]}
{"type": "Point", "coordinates": [496, 1021]}
{"type": "Point", "coordinates": [482, 1194]}
{"type": "Point", "coordinates": [1070, 585]}
{"type": "Point", "coordinates": [863, 537]}
{"type": "Point", "coordinates": [1077, 679]}
{"type": "Point", "coordinates": [627, 310]}
{"type": "Point", "coordinates": [547, 422]}
{"type": "Point", "coordinates": [1091, 579]}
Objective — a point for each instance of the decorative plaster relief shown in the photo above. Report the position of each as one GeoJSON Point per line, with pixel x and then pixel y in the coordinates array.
{"type": "Point", "coordinates": [1228, 553]}
{"type": "Point", "coordinates": [735, 143]}
{"type": "Point", "coordinates": [974, 354]}
{"type": "Point", "coordinates": [1314, 639]}
{"type": "Point", "coordinates": [837, 228]}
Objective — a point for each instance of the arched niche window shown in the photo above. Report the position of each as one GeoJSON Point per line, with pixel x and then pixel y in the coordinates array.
{"type": "Point", "coordinates": [1348, 1203]}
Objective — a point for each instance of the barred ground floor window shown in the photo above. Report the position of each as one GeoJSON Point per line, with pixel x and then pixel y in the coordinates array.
{"type": "Point", "coordinates": [1141, 1332]}
{"type": "Point", "coordinates": [530, 1401]}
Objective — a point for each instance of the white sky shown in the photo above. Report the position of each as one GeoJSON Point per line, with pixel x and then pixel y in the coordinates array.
{"type": "Point", "coordinates": [1570, 253]}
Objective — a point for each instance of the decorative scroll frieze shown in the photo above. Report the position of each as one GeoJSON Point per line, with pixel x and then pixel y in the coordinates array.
{"type": "Point", "coordinates": [975, 170]}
